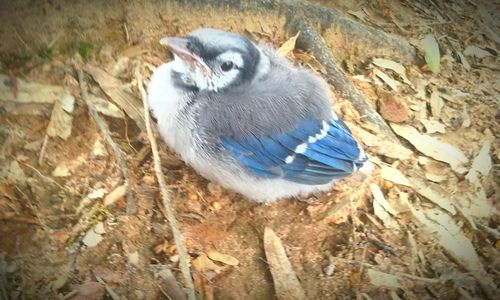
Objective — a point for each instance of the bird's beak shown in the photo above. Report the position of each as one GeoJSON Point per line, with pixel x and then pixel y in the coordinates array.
{"type": "Point", "coordinates": [179, 47]}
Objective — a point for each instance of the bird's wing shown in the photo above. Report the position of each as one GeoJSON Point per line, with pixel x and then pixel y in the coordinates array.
{"type": "Point", "coordinates": [314, 152]}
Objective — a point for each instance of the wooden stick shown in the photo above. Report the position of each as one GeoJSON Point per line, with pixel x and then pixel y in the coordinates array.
{"type": "Point", "coordinates": [166, 193]}
{"type": "Point", "coordinates": [42, 151]}
{"type": "Point", "coordinates": [116, 149]}
{"type": "Point", "coordinates": [125, 29]}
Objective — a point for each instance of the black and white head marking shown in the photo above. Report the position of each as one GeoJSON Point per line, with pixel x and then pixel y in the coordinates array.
{"type": "Point", "coordinates": [231, 58]}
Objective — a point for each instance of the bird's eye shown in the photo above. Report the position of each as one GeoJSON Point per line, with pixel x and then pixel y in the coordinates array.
{"type": "Point", "coordinates": [226, 66]}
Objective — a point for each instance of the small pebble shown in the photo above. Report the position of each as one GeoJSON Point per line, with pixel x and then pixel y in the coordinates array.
{"type": "Point", "coordinates": [174, 258]}
{"type": "Point", "coordinates": [98, 151]}
{"type": "Point", "coordinates": [216, 205]}
{"type": "Point", "coordinates": [149, 180]}
{"type": "Point", "coordinates": [329, 270]}
{"type": "Point", "coordinates": [192, 196]}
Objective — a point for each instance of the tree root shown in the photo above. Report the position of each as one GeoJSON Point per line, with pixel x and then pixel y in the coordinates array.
{"type": "Point", "coordinates": [343, 33]}
{"type": "Point", "coordinates": [310, 40]}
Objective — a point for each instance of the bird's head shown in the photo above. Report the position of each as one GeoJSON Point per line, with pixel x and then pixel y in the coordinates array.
{"type": "Point", "coordinates": [210, 59]}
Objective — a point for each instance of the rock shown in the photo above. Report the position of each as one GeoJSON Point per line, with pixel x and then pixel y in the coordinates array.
{"type": "Point", "coordinates": [133, 258]}
{"type": "Point", "coordinates": [98, 150]}
{"type": "Point", "coordinates": [92, 238]}
{"type": "Point", "coordinates": [61, 170]}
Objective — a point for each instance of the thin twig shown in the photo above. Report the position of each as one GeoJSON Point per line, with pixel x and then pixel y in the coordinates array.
{"type": "Point", "coordinates": [55, 39]}
{"type": "Point", "coordinates": [164, 293]}
{"type": "Point", "coordinates": [166, 193]}
{"type": "Point", "coordinates": [45, 178]}
{"type": "Point", "coordinates": [116, 149]}
{"type": "Point", "coordinates": [491, 67]}
{"type": "Point", "coordinates": [15, 84]}
{"type": "Point", "coordinates": [362, 264]}
{"type": "Point", "coordinates": [16, 33]}
{"type": "Point", "coordinates": [464, 293]}
{"type": "Point", "coordinates": [125, 29]}
{"type": "Point", "coordinates": [20, 219]}
{"type": "Point", "coordinates": [42, 151]}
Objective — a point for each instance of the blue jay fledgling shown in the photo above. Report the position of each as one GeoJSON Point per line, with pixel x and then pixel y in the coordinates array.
{"type": "Point", "coordinates": [249, 120]}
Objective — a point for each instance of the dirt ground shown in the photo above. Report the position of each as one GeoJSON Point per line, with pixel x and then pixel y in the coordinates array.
{"type": "Point", "coordinates": [423, 225]}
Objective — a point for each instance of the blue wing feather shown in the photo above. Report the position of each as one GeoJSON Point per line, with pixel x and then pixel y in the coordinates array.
{"type": "Point", "coordinates": [325, 158]}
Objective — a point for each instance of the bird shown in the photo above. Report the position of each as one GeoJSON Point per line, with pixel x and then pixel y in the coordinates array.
{"type": "Point", "coordinates": [248, 119]}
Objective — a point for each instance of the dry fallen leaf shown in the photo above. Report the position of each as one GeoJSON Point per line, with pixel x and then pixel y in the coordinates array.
{"type": "Point", "coordinates": [433, 126]}
{"type": "Point", "coordinates": [392, 65]}
{"type": "Point", "coordinates": [472, 50]}
{"type": "Point", "coordinates": [451, 238]}
{"type": "Point", "coordinates": [488, 21]}
{"type": "Point", "coordinates": [437, 104]}
{"type": "Point", "coordinates": [358, 14]}
{"type": "Point", "coordinates": [223, 258]}
{"type": "Point", "coordinates": [475, 203]}
{"type": "Point", "coordinates": [380, 145]}
{"type": "Point", "coordinates": [311, 61]}
{"type": "Point", "coordinates": [382, 279]}
{"type": "Point", "coordinates": [431, 52]}
{"type": "Point", "coordinates": [120, 94]}
{"type": "Point", "coordinates": [435, 177]}
{"type": "Point", "coordinates": [433, 193]}
{"type": "Point", "coordinates": [453, 95]}
{"type": "Point", "coordinates": [481, 164]}
{"type": "Point", "coordinates": [61, 119]}
{"type": "Point", "coordinates": [204, 264]}
{"type": "Point", "coordinates": [105, 107]}
{"type": "Point", "coordinates": [431, 146]}
{"type": "Point", "coordinates": [29, 92]}
{"type": "Point", "coordinates": [115, 195]}
{"type": "Point", "coordinates": [286, 284]}
{"type": "Point", "coordinates": [393, 175]}
{"type": "Point", "coordinates": [393, 84]}
{"type": "Point", "coordinates": [288, 46]}
{"type": "Point", "coordinates": [464, 61]}
{"type": "Point", "coordinates": [421, 87]}
{"type": "Point", "coordinates": [382, 209]}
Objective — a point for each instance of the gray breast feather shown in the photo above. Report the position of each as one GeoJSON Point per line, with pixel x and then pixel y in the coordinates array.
{"type": "Point", "coordinates": [274, 104]}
